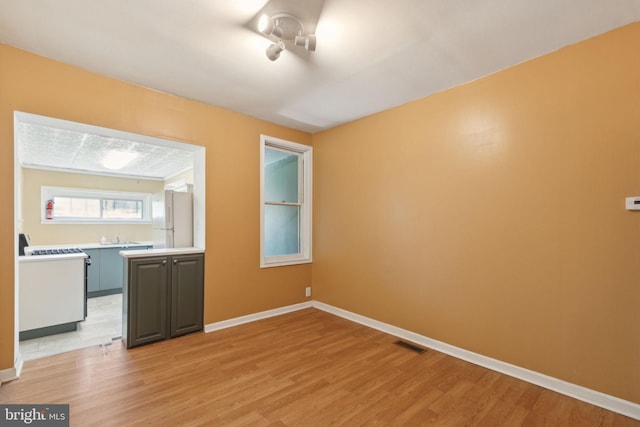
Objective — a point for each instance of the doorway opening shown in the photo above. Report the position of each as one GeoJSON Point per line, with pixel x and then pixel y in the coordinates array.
{"type": "Point", "coordinates": [48, 149]}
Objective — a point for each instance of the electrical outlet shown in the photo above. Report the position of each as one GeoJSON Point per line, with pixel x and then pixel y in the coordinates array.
{"type": "Point", "coordinates": [307, 291]}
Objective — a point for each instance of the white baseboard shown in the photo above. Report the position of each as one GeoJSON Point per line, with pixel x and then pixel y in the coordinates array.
{"type": "Point", "coordinates": [256, 316]}
{"type": "Point", "coordinates": [597, 398]}
{"type": "Point", "coordinates": [11, 374]}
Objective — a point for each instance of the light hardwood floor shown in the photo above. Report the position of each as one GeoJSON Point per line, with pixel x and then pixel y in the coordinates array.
{"type": "Point", "coordinates": [307, 368]}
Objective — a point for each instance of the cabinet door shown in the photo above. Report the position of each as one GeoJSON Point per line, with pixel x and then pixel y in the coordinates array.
{"type": "Point", "coordinates": [111, 269]}
{"type": "Point", "coordinates": [148, 300]}
{"type": "Point", "coordinates": [187, 293]}
{"type": "Point", "coordinates": [93, 271]}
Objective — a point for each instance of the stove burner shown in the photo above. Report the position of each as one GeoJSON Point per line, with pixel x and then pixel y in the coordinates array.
{"type": "Point", "coordinates": [56, 251]}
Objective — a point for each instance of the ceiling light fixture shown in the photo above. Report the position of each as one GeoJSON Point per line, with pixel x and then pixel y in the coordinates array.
{"type": "Point", "coordinates": [285, 28]}
{"type": "Point", "coordinates": [116, 159]}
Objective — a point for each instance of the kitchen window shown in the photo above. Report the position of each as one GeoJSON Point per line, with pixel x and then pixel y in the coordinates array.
{"type": "Point", "coordinates": [75, 205]}
{"type": "Point", "coordinates": [285, 205]}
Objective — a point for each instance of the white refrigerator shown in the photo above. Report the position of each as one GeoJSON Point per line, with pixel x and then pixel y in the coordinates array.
{"type": "Point", "coordinates": [172, 213]}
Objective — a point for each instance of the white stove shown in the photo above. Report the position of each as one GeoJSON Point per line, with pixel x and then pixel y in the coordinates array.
{"type": "Point", "coordinates": [53, 290]}
{"type": "Point", "coordinates": [62, 251]}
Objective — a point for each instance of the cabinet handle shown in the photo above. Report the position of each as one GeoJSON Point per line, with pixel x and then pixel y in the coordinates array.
{"type": "Point", "coordinates": [175, 261]}
{"type": "Point", "coordinates": [164, 262]}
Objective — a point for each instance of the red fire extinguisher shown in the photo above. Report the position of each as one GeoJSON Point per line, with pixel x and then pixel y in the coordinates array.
{"type": "Point", "coordinates": [49, 209]}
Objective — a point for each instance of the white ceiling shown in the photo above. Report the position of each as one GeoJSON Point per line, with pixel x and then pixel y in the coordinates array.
{"type": "Point", "coordinates": [371, 54]}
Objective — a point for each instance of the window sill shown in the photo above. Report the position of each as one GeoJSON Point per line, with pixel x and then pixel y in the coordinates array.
{"type": "Point", "coordinates": [284, 263]}
{"type": "Point", "coordinates": [97, 222]}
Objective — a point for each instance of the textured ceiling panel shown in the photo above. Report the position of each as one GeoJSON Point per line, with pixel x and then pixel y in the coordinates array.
{"type": "Point", "coordinates": [41, 146]}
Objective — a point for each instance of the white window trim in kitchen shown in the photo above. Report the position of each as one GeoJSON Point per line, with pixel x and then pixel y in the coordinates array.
{"type": "Point", "coordinates": [305, 186]}
{"type": "Point", "coordinates": [49, 193]}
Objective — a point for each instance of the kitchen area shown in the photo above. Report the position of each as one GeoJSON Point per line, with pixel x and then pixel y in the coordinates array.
{"type": "Point", "coordinates": [70, 297]}
{"type": "Point", "coordinates": [79, 217]}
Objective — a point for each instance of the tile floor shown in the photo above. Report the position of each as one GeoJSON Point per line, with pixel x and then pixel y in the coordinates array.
{"type": "Point", "coordinates": [102, 325]}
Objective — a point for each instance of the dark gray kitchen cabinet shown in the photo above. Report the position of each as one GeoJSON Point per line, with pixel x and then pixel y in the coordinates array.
{"type": "Point", "coordinates": [163, 297]}
{"type": "Point", "coordinates": [146, 301]}
{"type": "Point", "coordinates": [187, 294]}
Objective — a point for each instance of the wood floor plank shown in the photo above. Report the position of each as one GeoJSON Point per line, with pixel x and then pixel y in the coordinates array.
{"type": "Point", "coordinates": [306, 368]}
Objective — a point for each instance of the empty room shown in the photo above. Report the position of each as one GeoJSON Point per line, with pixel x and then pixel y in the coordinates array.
{"type": "Point", "coordinates": [285, 213]}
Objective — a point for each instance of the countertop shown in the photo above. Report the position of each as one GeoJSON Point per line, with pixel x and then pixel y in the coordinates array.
{"type": "Point", "coordinates": [43, 258]}
{"type": "Point", "coordinates": [115, 245]}
{"type": "Point", "coordinates": [160, 252]}
{"type": "Point", "coordinates": [130, 250]}
{"type": "Point", "coordinates": [95, 245]}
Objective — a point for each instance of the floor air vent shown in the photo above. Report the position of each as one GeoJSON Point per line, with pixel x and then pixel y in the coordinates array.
{"type": "Point", "coordinates": [410, 346]}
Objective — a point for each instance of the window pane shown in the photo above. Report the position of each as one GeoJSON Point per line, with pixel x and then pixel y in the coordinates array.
{"type": "Point", "coordinates": [72, 207]}
{"type": "Point", "coordinates": [281, 176]}
{"type": "Point", "coordinates": [122, 209]}
{"type": "Point", "coordinates": [281, 230]}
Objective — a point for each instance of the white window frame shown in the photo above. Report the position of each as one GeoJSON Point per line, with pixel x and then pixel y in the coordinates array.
{"type": "Point", "coordinates": [306, 153]}
{"type": "Point", "coordinates": [48, 193]}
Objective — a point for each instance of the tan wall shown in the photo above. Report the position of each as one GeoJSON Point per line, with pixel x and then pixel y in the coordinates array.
{"type": "Point", "coordinates": [491, 216]}
{"type": "Point", "coordinates": [50, 234]}
{"type": "Point", "coordinates": [235, 285]}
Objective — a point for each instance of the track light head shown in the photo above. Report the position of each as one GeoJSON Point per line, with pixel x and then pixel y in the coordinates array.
{"type": "Point", "coordinates": [265, 25]}
{"type": "Point", "coordinates": [308, 42]}
{"type": "Point", "coordinates": [274, 50]}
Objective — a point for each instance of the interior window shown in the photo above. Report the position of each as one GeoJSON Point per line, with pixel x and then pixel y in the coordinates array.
{"type": "Point", "coordinates": [85, 205]}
